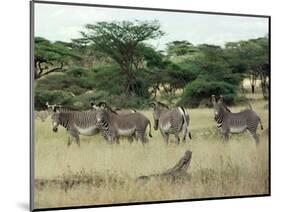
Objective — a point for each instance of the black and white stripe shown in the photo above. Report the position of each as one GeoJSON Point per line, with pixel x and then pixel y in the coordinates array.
{"type": "Point", "coordinates": [229, 122]}
{"type": "Point", "coordinates": [76, 123]}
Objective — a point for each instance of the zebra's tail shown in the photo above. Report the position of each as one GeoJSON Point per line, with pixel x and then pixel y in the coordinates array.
{"type": "Point", "coordinates": [150, 135]}
{"type": "Point", "coordinates": [260, 123]}
{"type": "Point", "coordinates": [185, 124]}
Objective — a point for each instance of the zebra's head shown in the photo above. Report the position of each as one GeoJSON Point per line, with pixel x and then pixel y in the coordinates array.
{"type": "Point", "coordinates": [53, 108]}
{"type": "Point", "coordinates": [158, 107]}
{"type": "Point", "coordinates": [101, 115]}
{"type": "Point", "coordinates": [55, 121]}
{"type": "Point", "coordinates": [219, 106]}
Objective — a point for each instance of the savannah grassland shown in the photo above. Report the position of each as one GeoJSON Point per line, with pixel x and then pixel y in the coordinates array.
{"type": "Point", "coordinates": [100, 173]}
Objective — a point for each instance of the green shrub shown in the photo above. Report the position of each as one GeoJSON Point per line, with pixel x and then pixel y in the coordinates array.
{"type": "Point", "coordinates": [109, 78]}
{"type": "Point", "coordinates": [200, 89]}
{"type": "Point", "coordinates": [52, 97]}
{"type": "Point", "coordinates": [60, 82]}
{"type": "Point", "coordinates": [78, 72]}
{"type": "Point", "coordinates": [76, 80]}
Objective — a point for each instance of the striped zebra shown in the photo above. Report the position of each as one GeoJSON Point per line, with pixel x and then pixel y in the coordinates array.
{"type": "Point", "coordinates": [113, 126]}
{"type": "Point", "coordinates": [56, 108]}
{"type": "Point", "coordinates": [170, 121]}
{"type": "Point", "coordinates": [76, 123]}
{"type": "Point", "coordinates": [120, 112]}
{"type": "Point", "coordinates": [229, 122]}
{"type": "Point", "coordinates": [117, 110]}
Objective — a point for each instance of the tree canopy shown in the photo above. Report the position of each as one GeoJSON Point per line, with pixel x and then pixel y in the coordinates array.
{"type": "Point", "coordinates": [122, 42]}
{"type": "Point", "coordinates": [51, 57]}
{"type": "Point", "coordinates": [115, 61]}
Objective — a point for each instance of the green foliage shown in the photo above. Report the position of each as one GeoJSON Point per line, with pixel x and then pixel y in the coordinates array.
{"type": "Point", "coordinates": [201, 89]}
{"type": "Point", "coordinates": [122, 42]}
{"type": "Point", "coordinates": [179, 48]}
{"type": "Point", "coordinates": [247, 56]}
{"type": "Point", "coordinates": [51, 57]}
{"type": "Point", "coordinates": [214, 76]}
{"type": "Point", "coordinates": [78, 72]}
{"type": "Point", "coordinates": [57, 51]}
{"type": "Point", "coordinates": [52, 97]}
{"type": "Point", "coordinates": [75, 81]}
{"type": "Point", "coordinates": [112, 63]}
{"type": "Point", "coordinates": [109, 78]}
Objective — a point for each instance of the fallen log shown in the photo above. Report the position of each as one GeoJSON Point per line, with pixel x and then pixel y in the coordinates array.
{"type": "Point", "coordinates": [175, 174]}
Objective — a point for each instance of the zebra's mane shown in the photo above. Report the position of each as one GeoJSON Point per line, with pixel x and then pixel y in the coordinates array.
{"type": "Point", "coordinates": [163, 105]}
{"type": "Point", "coordinates": [108, 108]}
{"type": "Point", "coordinates": [226, 108]}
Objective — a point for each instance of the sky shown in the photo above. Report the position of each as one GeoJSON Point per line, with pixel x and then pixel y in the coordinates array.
{"type": "Point", "coordinates": [64, 22]}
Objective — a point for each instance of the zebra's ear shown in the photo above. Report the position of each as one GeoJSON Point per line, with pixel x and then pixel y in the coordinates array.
{"type": "Point", "coordinates": [56, 108]}
{"type": "Point", "coordinates": [221, 99]}
{"type": "Point", "coordinates": [102, 105]}
{"type": "Point", "coordinates": [213, 99]}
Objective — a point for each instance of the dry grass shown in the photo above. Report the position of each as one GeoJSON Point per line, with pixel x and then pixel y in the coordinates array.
{"type": "Point", "coordinates": [99, 173]}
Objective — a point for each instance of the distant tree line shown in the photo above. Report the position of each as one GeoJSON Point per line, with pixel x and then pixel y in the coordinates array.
{"type": "Point", "coordinates": [112, 61]}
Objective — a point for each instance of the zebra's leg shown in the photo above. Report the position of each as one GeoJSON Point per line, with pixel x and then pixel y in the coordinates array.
{"type": "Point", "coordinates": [138, 137]}
{"type": "Point", "coordinates": [117, 139]}
{"type": "Point", "coordinates": [75, 135]}
{"type": "Point", "coordinates": [177, 138]}
{"type": "Point", "coordinates": [69, 140]}
{"type": "Point", "coordinates": [165, 137]}
{"type": "Point", "coordinates": [142, 136]}
{"type": "Point", "coordinates": [225, 136]}
{"type": "Point", "coordinates": [130, 139]}
{"type": "Point", "coordinates": [77, 139]}
{"type": "Point", "coordinates": [111, 139]}
{"type": "Point", "coordinates": [135, 137]}
{"type": "Point", "coordinates": [255, 136]}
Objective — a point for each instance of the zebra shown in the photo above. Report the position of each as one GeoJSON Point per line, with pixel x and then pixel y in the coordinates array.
{"type": "Point", "coordinates": [122, 112]}
{"type": "Point", "coordinates": [229, 122]}
{"type": "Point", "coordinates": [113, 125]}
{"type": "Point", "coordinates": [76, 123]}
{"type": "Point", "coordinates": [117, 110]}
{"type": "Point", "coordinates": [56, 108]}
{"type": "Point", "coordinates": [170, 121]}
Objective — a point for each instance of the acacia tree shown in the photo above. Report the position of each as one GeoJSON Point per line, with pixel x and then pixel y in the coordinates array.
{"type": "Point", "coordinates": [249, 58]}
{"type": "Point", "coordinates": [179, 48]}
{"type": "Point", "coordinates": [121, 41]}
{"type": "Point", "coordinates": [51, 57]}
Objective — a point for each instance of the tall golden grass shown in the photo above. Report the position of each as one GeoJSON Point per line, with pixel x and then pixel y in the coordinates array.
{"type": "Point", "coordinates": [100, 173]}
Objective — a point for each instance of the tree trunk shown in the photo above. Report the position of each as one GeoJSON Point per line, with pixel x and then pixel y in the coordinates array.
{"type": "Point", "coordinates": [264, 87]}
{"type": "Point", "coordinates": [129, 87]}
{"type": "Point", "coordinates": [253, 88]}
{"type": "Point", "coordinates": [242, 87]}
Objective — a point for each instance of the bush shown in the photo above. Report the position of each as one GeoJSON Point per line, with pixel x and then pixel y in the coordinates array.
{"type": "Point", "coordinates": [119, 101]}
{"type": "Point", "coordinates": [109, 78]}
{"type": "Point", "coordinates": [61, 82]}
{"type": "Point", "coordinates": [52, 97]}
{"type": "Point", "coordinates": [76, 80]}
{"type": "Point", "coordinates": [78, 72]}
{"type": "Point", "coordinates": [200, 89]}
